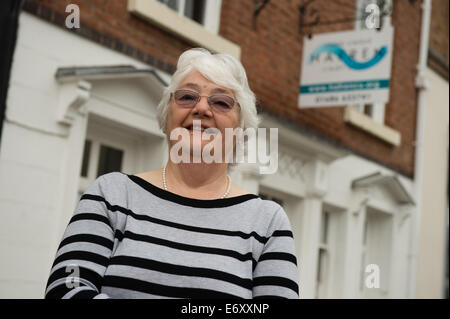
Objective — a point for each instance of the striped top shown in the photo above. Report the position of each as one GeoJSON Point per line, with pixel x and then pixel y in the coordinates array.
{"type": "Point", "coordinates": [131, 239]}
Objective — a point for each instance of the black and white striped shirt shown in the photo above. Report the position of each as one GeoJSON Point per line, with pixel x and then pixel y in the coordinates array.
{"type": "Point", "coordinates": [130, 239]}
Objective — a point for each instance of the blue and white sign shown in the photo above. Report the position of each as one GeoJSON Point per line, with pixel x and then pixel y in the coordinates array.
{"type": "Point", "coordinates": [343, 68]}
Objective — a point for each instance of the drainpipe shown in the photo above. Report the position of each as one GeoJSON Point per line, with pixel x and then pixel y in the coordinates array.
{"type": "Point", "coordinates": [422, 84]}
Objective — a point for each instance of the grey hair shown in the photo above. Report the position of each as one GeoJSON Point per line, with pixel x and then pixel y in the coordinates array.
{"type": "Point", "coordinates": [222, 69]}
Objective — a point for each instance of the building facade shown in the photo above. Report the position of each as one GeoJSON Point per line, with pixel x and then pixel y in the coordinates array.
{"type": "Point", "coordinates": [82, 102]}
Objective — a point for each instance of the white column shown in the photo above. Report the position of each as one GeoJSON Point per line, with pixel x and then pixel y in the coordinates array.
{"type": "Point", "coordinates": [399, 279]}
{"type": "Point", "coordinates": [355, 232]}
{"type": "Point", "coordinates": [73, 112]}
{"type": "Point", "coordinates": [316, 184]}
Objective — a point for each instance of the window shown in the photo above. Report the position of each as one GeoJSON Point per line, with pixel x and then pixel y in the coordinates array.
{"type": "Point", "coordinates": [192, 9]}
{"type": "Point", "coordinates": [376, 250]}
{"type": "Point", "coordinates": [108, 148]}
{"type": "Point", "coordinates": [86, 156]}
{"type": "Point", "coordinates": [375, 111]}
{"type": "Point", "coordinates": [109, 159]}
{"type": "Point", "coordinates": [323, 257]}
{"type": "Point", "coordinates": [98, 159]}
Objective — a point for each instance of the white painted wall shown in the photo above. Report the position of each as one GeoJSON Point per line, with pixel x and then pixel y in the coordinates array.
{"type": "Point", "coordinates": [433, 218]}
{"type": "Point", "coordinates": [34, 149]}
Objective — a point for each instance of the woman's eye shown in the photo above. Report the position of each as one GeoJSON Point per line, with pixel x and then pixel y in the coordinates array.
{"type": "Point", "coordinates": [187, 97]}
{"type": "Point", "coordinates": [222, 104]}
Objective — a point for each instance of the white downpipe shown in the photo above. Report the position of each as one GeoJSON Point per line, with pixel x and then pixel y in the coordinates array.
{"type": "Point", "coordinates": [422, 83]}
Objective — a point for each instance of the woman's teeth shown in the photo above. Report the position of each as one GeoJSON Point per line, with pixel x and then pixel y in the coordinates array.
{"type": "Point", "coordinates": [196, 128]}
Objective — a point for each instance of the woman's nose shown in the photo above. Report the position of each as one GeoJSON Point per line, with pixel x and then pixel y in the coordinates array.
{"type": "Point", "coordinates": [202, 107]}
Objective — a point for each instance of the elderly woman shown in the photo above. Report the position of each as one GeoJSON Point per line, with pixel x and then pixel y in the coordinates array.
{"type": "Point", "coordinates": [184, 230]}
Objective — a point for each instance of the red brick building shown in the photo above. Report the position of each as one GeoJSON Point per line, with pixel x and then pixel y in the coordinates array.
{"type": "Point", "coordinates": [271, 52]}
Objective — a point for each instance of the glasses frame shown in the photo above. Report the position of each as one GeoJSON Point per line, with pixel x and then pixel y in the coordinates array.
{"type": "Point", "coordinates": [208, 97]}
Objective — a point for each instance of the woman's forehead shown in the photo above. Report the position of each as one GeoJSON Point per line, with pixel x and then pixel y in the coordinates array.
{"type": "Point", "coordinates": [196, 81]}
{"type": "Point", "coordinates": [213, 89]}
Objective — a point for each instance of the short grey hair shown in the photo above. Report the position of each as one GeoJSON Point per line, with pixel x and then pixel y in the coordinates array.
{"type": "Point", "coordinates": [222, 69]}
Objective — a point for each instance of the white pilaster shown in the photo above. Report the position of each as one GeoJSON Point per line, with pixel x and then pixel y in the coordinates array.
{"type": "Point", "coordinates": [316, 183]}
{"type": "Point", "coordinates": [356, 218]}
{"type": "Point", "coordinates": [72, 112]}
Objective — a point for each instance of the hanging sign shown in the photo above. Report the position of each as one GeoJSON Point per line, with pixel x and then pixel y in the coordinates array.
{"type": "Point", "coordinates": [342, 68]}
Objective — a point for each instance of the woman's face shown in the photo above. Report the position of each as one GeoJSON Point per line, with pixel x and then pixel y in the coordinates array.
{"type": "Point", "coordinates": [179, 116]}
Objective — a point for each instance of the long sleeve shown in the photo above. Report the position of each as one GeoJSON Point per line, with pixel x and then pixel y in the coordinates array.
{"type": "Point", "coordinates": [276, 274]}
{"type": "Point", "coordinates": [85, 249]}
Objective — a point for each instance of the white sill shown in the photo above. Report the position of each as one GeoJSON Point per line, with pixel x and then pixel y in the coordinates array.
{"type": "Point", "coordinates": [166, 18]}
{"type": "Point", "coordinates": [365, 123]}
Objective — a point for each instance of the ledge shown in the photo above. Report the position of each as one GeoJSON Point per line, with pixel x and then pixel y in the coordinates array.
{"type": "Point", "coordinates": [171, 21]}
{"type": "Point", "coordinates": [367, 124]}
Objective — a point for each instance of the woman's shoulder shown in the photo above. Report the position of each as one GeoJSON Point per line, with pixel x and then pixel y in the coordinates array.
{"type": "Point", "coordinates": [273, 209]}
{"type": "Point", "coordinates": [110, 182]}
{"type": "Point", "coordinates": [154, 177]}
{"type": "Point", "coordinates": [115, 178]}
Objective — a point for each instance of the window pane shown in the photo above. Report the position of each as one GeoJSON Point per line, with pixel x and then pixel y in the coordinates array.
{"type": "Point", "coordinates": [368, 109]}
{"type": "Point", "coordinates": [324, 228]}
{"type": "Point", "coordinates": [86, 155]}
{"type": "Point", "coordinates": [322, 268]}
{"type": "Point", "coordinates": [173, 4]}
{"type": "Point", "coordinates": [320, 265]}
{"type": "Point", "coordinates": [365, 230]}
{"type": "Point", "coordinates": [110, 160]}
{"type": "Point", "coordinates": [194, 9]}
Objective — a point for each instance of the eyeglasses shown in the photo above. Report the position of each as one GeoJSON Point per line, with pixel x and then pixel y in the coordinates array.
{"type": "Point", "coordinates": [218, 102]}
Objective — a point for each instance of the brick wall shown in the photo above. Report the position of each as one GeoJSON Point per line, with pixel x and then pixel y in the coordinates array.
{"type": "Point", "coordinates": [108, 22]}
{"type": "Point", "coordinates": [271, 54]}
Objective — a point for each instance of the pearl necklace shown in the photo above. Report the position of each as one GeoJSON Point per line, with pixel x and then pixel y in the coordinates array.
{"type": "Point", "coordinates": [223, 196]}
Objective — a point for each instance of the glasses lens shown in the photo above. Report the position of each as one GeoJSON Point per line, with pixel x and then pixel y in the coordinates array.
{"type": "Point", "coordinates": [185, 97]}
{"type": "Point", "coordinates": [221, 102]}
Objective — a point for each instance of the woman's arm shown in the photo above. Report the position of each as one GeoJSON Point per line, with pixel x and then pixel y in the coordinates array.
{"type": "Point", "coordinates": [85, 249]}
{"type": "Point", "coordinates": [276, 273]}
